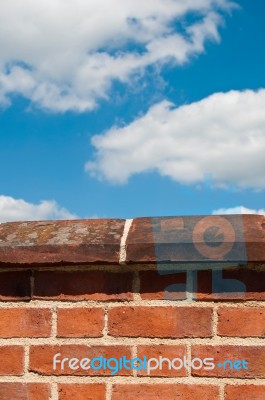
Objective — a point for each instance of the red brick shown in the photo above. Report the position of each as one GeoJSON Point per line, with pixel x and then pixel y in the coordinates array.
{"type": "Point", "coordinates": [81, 391]}
{"type": "Point", "coordinates": [164, 392]}
{"type": "Point", "coordinates": [86, 241]}
{"type": "Point", "coordinates": [245, 392]}
{"type": "Point", "coordinates": [41, 358]}
{"type": "Point", "coordinates": [160, 321]}
{"type": "Point", "coordinates": [165, 351]}
{"type": "Point", "coordinates": [12, 360]}
{"type": "Point", "coordinates": [243, 322]}
{"type": "Point", "coordinates": [25, 322]}
{"type": "Point", "coordinates": [176, 239]}
{"type": "Point", "coordinates": [254, 355]}
{"type": "Point", "coordinates": [253, 280]}
{"type": "Point", "coordinates": [160, 286]}
{"type": "Point", "coordinates": [24, 391]}
{"type": "Point", "coordinates": [254, 235]}
{"type": "Point", "coordinates": [15, 286]}
{"type": "Point", "coordinates": [181, 239]}
{"type": "Point", "coordinates": [80, 322]}
{"type": "Point", "coordinates": [83, 285]}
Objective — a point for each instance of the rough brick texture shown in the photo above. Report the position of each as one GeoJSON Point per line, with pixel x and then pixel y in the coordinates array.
{"type": "Point", "coordinates": [25, 322]}
{"type": "Point", "coordinates": [164, 392]}
{"type": "Point", "coordinates": [15, 286]}
{"type": "Point", "coordinates": [80, 322]}
{"type": "Point", "coordinates": [243, 392]}
{"type": "Point", "coordinates": [171, 322]}
{"type": "Point", "coordinates": [86, 290]}
{"type": "Point", "coordinates": [85, 285]}
{"type": "Point", "coordinates": [12, 360]}
{"type": "Point", "coordinates": [82, 391]}
{"type": "Point", "coordinates": [81, 314]}
{"type": "Point", "coordinates": [243, 321]}
{"type": "Point", "coordinates": [24, 391]}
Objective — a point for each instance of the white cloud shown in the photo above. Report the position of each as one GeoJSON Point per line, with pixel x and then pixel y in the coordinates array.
{"type": "Point", "coordinates": [220, 138]}
{"type": "Point", "coordinates": [19, 210]}
{"type": "Point", "coordinates": [64, 54]}
{"type": "Point", "coordinates": [238, 210]}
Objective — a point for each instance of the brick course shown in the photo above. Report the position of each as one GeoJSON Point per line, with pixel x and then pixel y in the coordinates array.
{"type": "Point", "coordinates": [113, 303]}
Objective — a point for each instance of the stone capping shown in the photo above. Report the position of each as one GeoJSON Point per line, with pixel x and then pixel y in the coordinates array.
{"type": "Point", "coordinates": [133, 241]}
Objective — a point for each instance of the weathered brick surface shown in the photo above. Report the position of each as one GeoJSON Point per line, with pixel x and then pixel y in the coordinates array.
{"type": "Point", "coordinates": [24, 391]}
{"type": "Point", "coordinates": [150, 240]}
{"type": "Point", "coordinates": [160, 322]}
{"type": "Point", "coordinates": [244, 392]}
{"type": "Point", "coordinates": [80, 322]}
{"type": "Point", "coordinates": [83, 285]}
{"type": "Point", "coordinates": [243, 321]}
{"type": "Point", "coordinates": [162, 285]}
{"type": "Point", "coordinates": [182, 239]}
{"type": "Point", "coordinates": [12, 360]}
{"type": "Point", "coordinates": [25, 322]}
{"type": "Point", "coordinates": [60, 242]}
{"type": "Point", "coordinates": [164, 392]}
{"type": "Point", "coordinates": [15, 286]}
{"type": "Point", "coordinates": [149, 328]}
{"type": "Point", "coordinates": [50, 304]}
{"type": "Point", "coordinates": [82, 391]}
{"type": "Point", "coordinates": [252, 285]}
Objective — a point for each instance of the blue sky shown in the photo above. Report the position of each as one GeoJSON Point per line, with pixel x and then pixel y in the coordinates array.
{"type": "Point", "coordinates": [162, 113]}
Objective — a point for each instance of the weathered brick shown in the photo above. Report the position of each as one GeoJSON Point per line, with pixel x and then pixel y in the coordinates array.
{"type": "Point", "coordinates": [245, 392]}
{"type": "Point", "coordinates": [65, 242]}
{"type": "Point", "coordinates": [15, 285]}
{"type": "Point", "coordinates": [243, 321]}
{"type": "Point", "coordinates": [182, 239]}
{"type": "Point", "coordinates": [25, 322]}
{"type": "Point", "coordinates": [81, 391]}
{"type": "Point", "coordinates": [254, 355]}
{"type": "Point", "coordinates": [12, 360]}
{"type": "Point", "coordinates": [83, 285]}
{"type": "Point", "coordinates": [165, 351]}
{"type": "Point", "coordinates": [164, 392]}
{"type": "Point", "coordinates": [41, 359]}
{"type": "Point", "coordinates": [24, 391]}
{"type": "Point", "coordinates": [253, 280]}
{"type": "Point", "coordinates": [161, 286]}
{"type": "Point", "coordinates": [160, 321]}
{"type": "Point", "coordinates": [80, 322]}
{"type": "Point", "coordinates": [254, 235]}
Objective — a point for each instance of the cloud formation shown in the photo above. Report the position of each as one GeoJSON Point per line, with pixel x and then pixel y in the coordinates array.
{"type": "Point", "coordinates": [64, 55]}
{"type": "Point", "coordinates": [220, 139]}
{"type": "Point", "coordinates": [19, 210]}
{"type": "Point", "coordinates": [238, 210]}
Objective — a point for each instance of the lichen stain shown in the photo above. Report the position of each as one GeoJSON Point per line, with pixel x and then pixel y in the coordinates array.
{"type": "Point", "coordinates": [75, 232]}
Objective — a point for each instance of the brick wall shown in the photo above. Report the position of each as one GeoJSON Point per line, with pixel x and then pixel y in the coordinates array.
{"type": "Point", "coordinates": [58, 296]}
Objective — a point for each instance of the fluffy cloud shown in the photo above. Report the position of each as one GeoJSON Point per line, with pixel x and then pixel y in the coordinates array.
{"type": "Point", "coordinates": [238, 210]}
{"type": "Point", "coordinates": [19, 210]}
{"type": "Point", "coordinates": [64, 55]}
{"type": "Point", "coordinates": [220, 139]}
